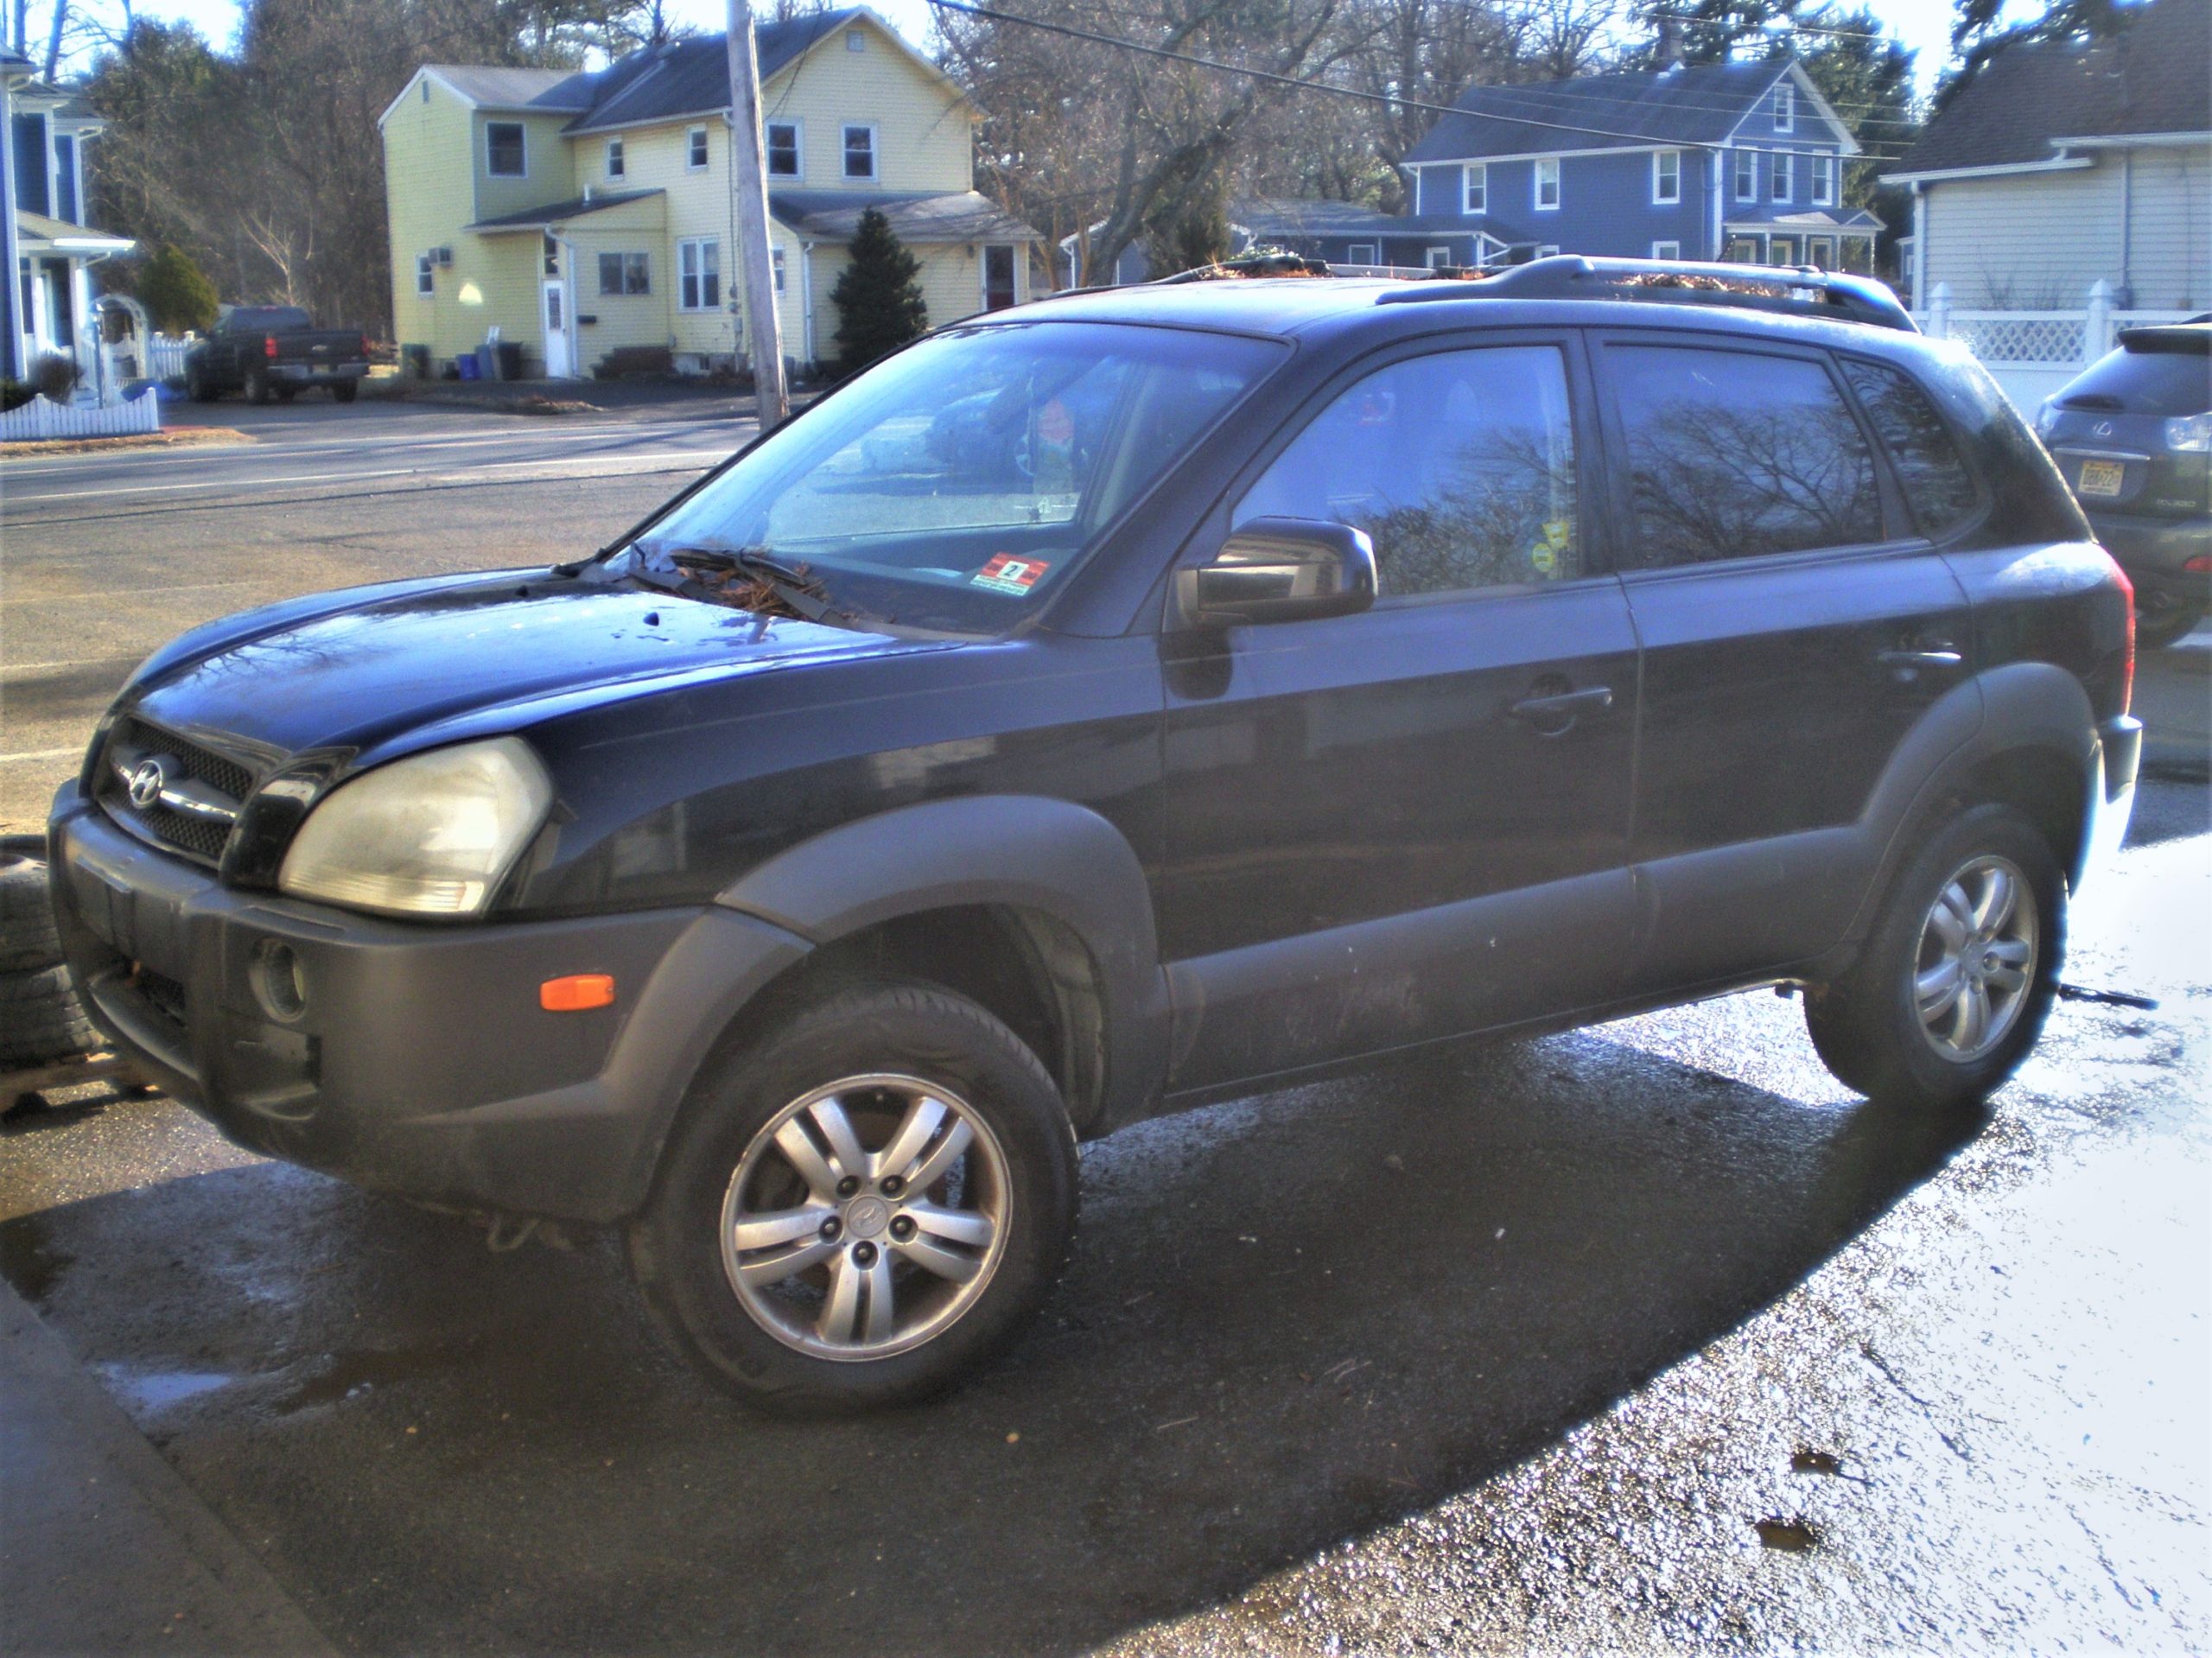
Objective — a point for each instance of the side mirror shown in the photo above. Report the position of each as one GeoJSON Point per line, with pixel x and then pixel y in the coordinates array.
{"type": "Point", "coordinates": [1281, 570]}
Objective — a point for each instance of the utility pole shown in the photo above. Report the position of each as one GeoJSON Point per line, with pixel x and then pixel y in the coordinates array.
{"type": "Point", "coordinates": [749, 184]}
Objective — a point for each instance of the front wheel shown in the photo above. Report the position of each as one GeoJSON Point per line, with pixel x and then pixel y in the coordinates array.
{"type": "Point", "coordinates": [1958, 973]}
{"type": "Point", "coordinates": [855, 1209]}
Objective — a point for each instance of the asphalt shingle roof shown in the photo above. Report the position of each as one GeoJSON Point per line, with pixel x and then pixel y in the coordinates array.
{"type": "Point", "coordinates": [556, 213]}
{"type": "Point", "coordinates": [691, 76]}
{"type": "Point", "coordinates": [1698, 105]}
{"type": "Point", "coordinates": [517, 89]}
{"type": "Point", "coordinates": [2154, 76]}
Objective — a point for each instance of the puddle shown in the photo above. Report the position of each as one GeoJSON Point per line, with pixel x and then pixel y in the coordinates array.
{"type": "Point", "coordinates": [29, 1260]}
{"type": "Point", "coordinates": [355, 1375]}
{"type": "Point", "coordinates": [1791, 1536]}
{"type": "Point", "coordinates": [148, 1393]}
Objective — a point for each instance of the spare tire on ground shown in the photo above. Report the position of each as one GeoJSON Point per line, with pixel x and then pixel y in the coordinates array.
{"type": "Point", "coordinates": [28, 938]}
{"type": "Point", "coordinates": [41, 1020]}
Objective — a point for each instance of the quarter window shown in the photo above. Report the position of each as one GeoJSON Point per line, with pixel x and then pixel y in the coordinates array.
{"type": "Point", "coordinates": [695, 149]}
{"type": "Point", "coordinates": [623, 273]}
{"type": "Point", "coordinates": [860, 152]}
{"type": "Point", "coordinates": [699, 274]}
{"type": "Point", "coordinates": [1732, 455]}
{"type": "Point", "coordinates": [504, 156]}
{"type": "Point", "coordinates": [1477, 186]}
{"type": "Point", "coordinates": [1666, 176]}
{"type": "Point", "coordinates": [1459, 466]}
{"type": "Point", "coordinates": [1747, 175]}
{"type": "Point", "coordinates": [1548, 183]}
{"type": "Point", "coordinates": [783, 150]}
{"type": "Point", "coordinates": [1934, 474]}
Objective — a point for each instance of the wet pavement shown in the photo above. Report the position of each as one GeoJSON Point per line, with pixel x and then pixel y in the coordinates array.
{"type": "Point", "coordinates": [1648, 1337]}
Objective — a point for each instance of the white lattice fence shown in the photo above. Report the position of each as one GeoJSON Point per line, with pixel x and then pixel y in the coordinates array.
{"type": "Point", "coordinates": [2042, 338]}
{"type": "Point", "coordinates": [41, 419]}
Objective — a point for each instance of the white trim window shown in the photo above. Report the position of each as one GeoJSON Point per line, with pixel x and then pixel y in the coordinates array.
{"type": "Point", "coordinates": [858, 141]}
{"type": "Point", "coordinates": [1474, 188]}
{"type": "Point", "coordinates": [1747, 175]}
{"type": "Point", "coordinates": [1785, 108]}
{"type": "Point", "coordinates": [1547, 172]}
{"type": "Point", "coordinates": [695, 149]}
{"type": "Point", "coordinates": [625, 273]}
{"type": "Point", "coordinates": [1666, 250]}
{"type": "Point", "coordinates": [786, 148]}
{"type": "Point", "coordinates": [617, 165]}
{"type": "Point", "coordinates": [426, 273]}
{"type": "Point", "coordinates": [506, 150]}
{"type": "Point", "coordinates": [776, 266]}
{"type": "Point", "coordinates": [1666, 177]}
{"type": "Point", "coordinates": [1437, 258]}
{"type": "Point", "coordinates": [1823, 180]}
{"type": "Point", "coordinates": [1362, 253]}
{"type": "Point", "coordinates": [699, 274]}
{"type": "Point", "coordinates": [1781, 177]}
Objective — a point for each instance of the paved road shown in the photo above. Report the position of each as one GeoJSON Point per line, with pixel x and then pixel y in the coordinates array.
{"type": "Point", "coordinates": [111, 555]}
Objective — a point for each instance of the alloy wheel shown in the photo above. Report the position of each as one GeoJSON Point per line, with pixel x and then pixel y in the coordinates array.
{"type": "Point", "coordinates": [1977, 960]}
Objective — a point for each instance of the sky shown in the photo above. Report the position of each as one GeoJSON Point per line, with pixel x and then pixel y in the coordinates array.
{"type": "Point", "coordinates": [1922, 25]}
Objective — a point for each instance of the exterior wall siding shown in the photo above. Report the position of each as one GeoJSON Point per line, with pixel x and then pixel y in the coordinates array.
{"type": "Point", "coordinates": [1605, 207]}
{"type": "Point", "coordinates": [2032, 241]}
{"type": "Point", "coordinates": [2170, 238]}
{"type": "Point", "coordinates": [925, 137]}
{"type": "Point", "coordinates": [429, 197]}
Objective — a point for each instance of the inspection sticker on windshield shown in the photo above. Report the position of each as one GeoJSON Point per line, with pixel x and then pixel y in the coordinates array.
{"type": "Point", "coordinates": [1006, 574]}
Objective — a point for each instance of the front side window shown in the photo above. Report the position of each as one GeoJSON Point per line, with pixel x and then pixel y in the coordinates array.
{"type": "Point", "coordinates": [616, 165]}
{"type": "Point", "coordinates": [1477, 189]}
{"type": "Point", "coordinates": [504, 154]}
{"type": "Point", "coordinates": [1747, 175]}
{"type": "Point", "coordinates": [954, 485]}
{"type": "Point", "coordinates": [695, 149]}
{"type": "Point", "coordinates": [1732, 455]}
{"type": "Point", "coordinates": [998, 278]}
{"type": "Point", "coordinates": [623, 273]}
{"type": "Point", "coordinates": [1781, 177]}
{"type": "Point", "coordinates": [1666, 176]}
{"type": "Point", "coordinates": [1938, 485]}
{"type": "Point", "coordinates": [1548, 183]}
{"type": "Point", "coordinates": [860, 152]}
{"type": "Point", "coordinates": [783, 150]}
{"type": "Point", "coordinates": [699, 274]}
{"type": "Point", "coordinates": [1823, 180]}
{"type": "Point", "coordinates": [1459, 466]}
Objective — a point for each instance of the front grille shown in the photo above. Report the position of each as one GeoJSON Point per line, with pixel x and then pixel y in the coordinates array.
{"type": "Point", "coordinates": [198, 838]}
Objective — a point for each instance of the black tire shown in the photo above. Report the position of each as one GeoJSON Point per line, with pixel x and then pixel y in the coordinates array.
{"type": "Point", "coordinates": [2167, 625]}
{"type": "Point", "coordinates": [345, 391]}
{"type": "Point", "coordinates": [40, 1018]}
{"type": "Point", "coordinates": [286, 391]}
{"type": "Point", "coordinates": [906, 1030]}
{"type": "Point", "coordinates": [256, 387]}
{"type": "Point", "coordinates": [196, 386]}
{"type": "Point", "coordinates": [1867, 1026]}
{"type": "Point", "coordinates": [28, 938]}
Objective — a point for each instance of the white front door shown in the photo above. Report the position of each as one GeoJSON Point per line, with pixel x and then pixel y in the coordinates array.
{"type": "Point", "coordinates": [560, 361]}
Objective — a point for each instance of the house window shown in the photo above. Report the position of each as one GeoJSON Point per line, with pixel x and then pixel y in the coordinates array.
{"type": "Point", "coordinates": [1666, 250]}
{"type": "Point", "coordinates": [1785, 108]}
{"type": "Point", "coordinates": [65, 179]}
{"type": "Point", "coordinates": [1747, 175]}
{"type": "Point", "coordinates": [1478, 189]}
{"type": "Point", "coordinates": [783, 150]}
{"type": "Point", "coordinates": [695, 152]}
{"type": "Point", "coordinates": [1782, 178]}
{"type": "Point", "coordinates": [998, 278]}
{"type": "Point", "coordinates": [1547, 184]}
{"type": "Point", "coordinates": [426, 89]}
{"type": "Point", "coordinates": [1437, 258]}
{"type": "Point", "coordinates": [1362, 253]}
{"type": "Point", "coordinates": [1823, 180]}
{"type": "Point", "coordinates": [616, 167]}
{"type": "Point", "coordinates": [776, 262]}
{"type": "Point", "coordinates": [1666, 176]}
{"type": "Point", "coordinates": [1782, 250]}
{"type": "Point", "coordinates": [1819, 250]}
{"type": "Point", "coordinates": [1548, 250]}
{"type": "Point", "coordinates": [623, 273]}
{"type": "Point", "coordinates": [426, 279]}
{"type": "Point", "coordinates": [854, 41]}
{"type": "Point", "coordinates": [504, 156]}
{"type": "Point", "coordinates": [549, 252]}
{"type": "Point", "coordinates": [699, 274]}
{"type": "Point", "coordinates": [1745, 250]}
{"type": "Point", "coordinates": [860, 152]}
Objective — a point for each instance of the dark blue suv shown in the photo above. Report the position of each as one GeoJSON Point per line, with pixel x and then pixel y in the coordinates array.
{"type": "Point", "coordinates": [1244, 678]}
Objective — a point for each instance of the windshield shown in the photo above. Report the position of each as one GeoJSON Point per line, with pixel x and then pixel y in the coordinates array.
{"type": "Point", "coordinates": [955, 485]}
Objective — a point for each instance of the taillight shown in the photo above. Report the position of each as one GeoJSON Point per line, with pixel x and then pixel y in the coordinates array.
{"type": "Point", "coordinates": [269, 345]}
{"type": "Point", "coordinates": [2127, 664]}
{"type": "Point", "coordinates": [2201, 565]}
{"type": "Point", "coordinates": [364, 346]}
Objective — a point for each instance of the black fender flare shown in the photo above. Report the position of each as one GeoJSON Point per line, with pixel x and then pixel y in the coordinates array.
{"type": "Point", "coordinates": [1025, 852]}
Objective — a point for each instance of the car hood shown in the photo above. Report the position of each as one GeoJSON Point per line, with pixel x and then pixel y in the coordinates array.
{"type": "Point", "coordinates": [354, 671]}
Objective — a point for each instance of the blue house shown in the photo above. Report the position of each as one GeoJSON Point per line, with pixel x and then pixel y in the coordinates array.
{"type": "Point", "coordinates": [1741, 161]}
{"type": "Point", "coordinates": [44, 244]}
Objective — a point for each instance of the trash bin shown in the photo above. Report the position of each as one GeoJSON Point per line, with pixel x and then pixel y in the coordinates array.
{"type": "Point", "coordinates": [417, 359]}
{"type": "Point", "coordinates": [469, 367]}
{"type": "Point", "coordinates": [487, 366]}
{"type": "Point", "coordinates": [511, 359]}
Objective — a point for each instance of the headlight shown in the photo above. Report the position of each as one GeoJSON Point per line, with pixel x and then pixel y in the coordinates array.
{"type": "Point", "coordinates": [2189, 433]}
{"type": "Point", "coordinates": [430, 835]}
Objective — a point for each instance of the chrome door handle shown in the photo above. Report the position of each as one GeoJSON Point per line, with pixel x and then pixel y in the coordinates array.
{"type": "Point", "coordinates": [1937, 658]}
{"type": "Point", "coordinates": [1563, 705]}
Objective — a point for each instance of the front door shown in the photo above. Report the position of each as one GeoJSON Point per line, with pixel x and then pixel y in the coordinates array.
{"type": "Point", "coordinates": [1413, 821]}
{"type": "Point", "coordinates": [560, 360]}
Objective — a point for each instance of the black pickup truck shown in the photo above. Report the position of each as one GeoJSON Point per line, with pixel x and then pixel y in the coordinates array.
{"type": "Point", "coordinates": [274, 350]}
{"type": "Point", "coordinates": [1272, 675]}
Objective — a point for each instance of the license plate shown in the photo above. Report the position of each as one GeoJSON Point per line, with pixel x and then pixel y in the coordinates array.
{"type": "Point", "coordinates": [2101, 478]}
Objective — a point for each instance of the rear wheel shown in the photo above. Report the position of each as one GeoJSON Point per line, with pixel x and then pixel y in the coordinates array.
{"type": "Point", "coordinates": [2158, 626]}
{"type": "Point", "coordinates": [859, 1207]}
{"type": "Point", "coordinates": [345, 391]}
{"type": "Point", "coordinates": [1958, 973]}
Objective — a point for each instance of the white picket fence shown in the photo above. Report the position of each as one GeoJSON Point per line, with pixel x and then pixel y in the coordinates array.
{"type": "Point", "coordinates": [41, 419]}
{"type": "Point", "coordinates": [165, 356]}
{"type": "Point", "coordinates": [2033, 353]}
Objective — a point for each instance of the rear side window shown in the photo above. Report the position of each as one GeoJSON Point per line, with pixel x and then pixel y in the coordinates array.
{"type": "Point", "coordinates": [1732, 455]}
{"type": "Point", "coordinates": [1936, 481]}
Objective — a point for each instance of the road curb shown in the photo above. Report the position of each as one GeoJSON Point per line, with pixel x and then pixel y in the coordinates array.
{"type": "Point", "coordinates": [103, 1546]}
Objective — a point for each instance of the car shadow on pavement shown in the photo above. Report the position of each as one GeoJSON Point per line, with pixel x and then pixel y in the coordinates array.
{"type": "Point", "coordinates": [1289, 1320]}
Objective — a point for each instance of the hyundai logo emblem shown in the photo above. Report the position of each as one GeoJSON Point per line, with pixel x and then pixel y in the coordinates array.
{"type": "Point", "coordinates": [146, 784]}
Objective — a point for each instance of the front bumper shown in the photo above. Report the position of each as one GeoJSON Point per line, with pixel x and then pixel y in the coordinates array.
{"type": "Point", "coordinates": [418, 1060]}
{"type": "Point", "coordinates": [2154, 550]}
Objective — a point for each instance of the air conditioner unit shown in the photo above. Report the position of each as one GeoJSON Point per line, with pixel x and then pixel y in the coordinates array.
{"type": "Point", "coordinates": [442, 255]}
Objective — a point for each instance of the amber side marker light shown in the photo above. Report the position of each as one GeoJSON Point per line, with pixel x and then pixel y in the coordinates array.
{"type": "Point", "coordinates": [577, 993]}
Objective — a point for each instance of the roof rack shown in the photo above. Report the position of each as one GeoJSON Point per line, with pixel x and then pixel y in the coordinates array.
{"type": "Point", "coordinates": [1574, 275]}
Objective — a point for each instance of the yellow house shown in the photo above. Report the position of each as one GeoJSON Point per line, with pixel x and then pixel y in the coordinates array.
{"type": "Point", "coordinates": [579, 213]}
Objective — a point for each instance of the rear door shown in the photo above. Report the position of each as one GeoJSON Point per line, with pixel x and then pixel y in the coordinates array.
{"type": "Point", "coordinates": [1413, 821]}
{"type": "Point", "coordinates": [1795, 626]}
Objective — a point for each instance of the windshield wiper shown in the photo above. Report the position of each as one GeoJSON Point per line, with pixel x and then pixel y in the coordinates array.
{"type": "Point", "coordinates": [750, 578]}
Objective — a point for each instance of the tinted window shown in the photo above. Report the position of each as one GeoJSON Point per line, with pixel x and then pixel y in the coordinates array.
{"type": "Point", "coordinates": [2138, 382]}
{"type": "Point", "coordinates": [1929, 465]}
{"type": "Point", "coordinates": [1732, 455]}
{"type": "Point", "coordinates": [1459, 466]}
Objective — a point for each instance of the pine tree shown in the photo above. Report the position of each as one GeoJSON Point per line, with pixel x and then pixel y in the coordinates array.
{"type": "Point", "coordinates": [879, 301]}
{"type": "Point", "coordinates": [177, 294]}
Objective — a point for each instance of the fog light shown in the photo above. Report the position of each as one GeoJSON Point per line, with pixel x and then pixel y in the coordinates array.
{"type": "Point", "coordinates": [280, 980]}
